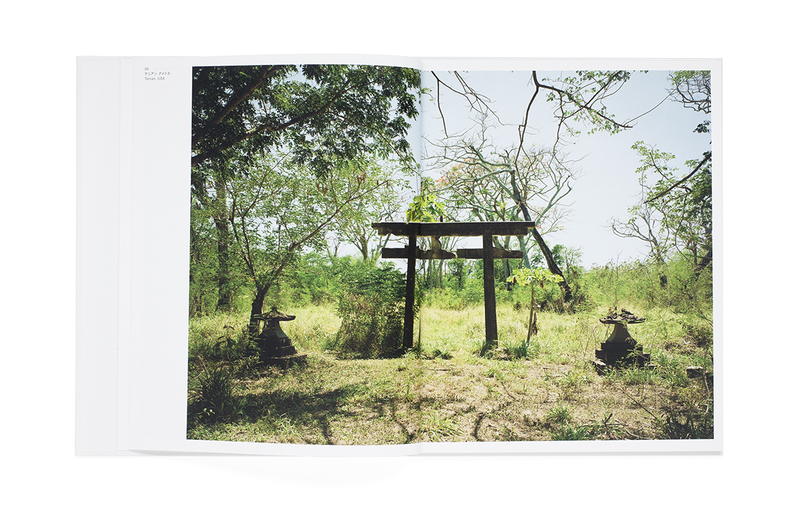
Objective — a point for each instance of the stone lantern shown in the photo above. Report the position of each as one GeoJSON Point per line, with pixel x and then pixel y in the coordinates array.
{"type": "Point", "coordinates": [275, 347]}
{"type": "Point", "coordinates": [620, 347]}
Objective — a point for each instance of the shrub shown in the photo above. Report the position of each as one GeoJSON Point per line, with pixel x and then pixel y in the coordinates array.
{"type": "Point", "coordinates": [500, 351]}
{"type": "Point", "coordinates": [214, 338]}
{"type": "Point", "coordinates": [216, 401]}
{"type": "Point", "coordinates": [371, 307]}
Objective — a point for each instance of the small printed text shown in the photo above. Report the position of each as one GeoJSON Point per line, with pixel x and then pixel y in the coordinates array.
{"type": "Point", "coordinates": [151, 74]}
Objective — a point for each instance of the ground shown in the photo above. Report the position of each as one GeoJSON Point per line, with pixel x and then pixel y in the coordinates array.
{"type": "Point", "coordinates": [554, 394]}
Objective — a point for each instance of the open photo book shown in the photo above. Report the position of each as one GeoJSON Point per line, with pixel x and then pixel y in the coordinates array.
{"type": "Point", "coordinates": [355, 255]}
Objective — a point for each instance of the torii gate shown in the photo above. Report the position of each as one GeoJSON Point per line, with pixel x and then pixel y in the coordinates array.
{"type": "Point", "coordinates": [488, 254]}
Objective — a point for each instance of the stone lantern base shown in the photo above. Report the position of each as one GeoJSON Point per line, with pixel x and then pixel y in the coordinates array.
{"type": "Point", "coordinates": [622, 354]}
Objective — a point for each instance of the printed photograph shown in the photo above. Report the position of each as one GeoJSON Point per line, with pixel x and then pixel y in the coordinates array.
{"type": "Point", "coordinates": [382, 255]}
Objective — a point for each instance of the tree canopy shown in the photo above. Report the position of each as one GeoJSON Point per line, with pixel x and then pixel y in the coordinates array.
{"type": "Point", "coordinates": [321, 113]}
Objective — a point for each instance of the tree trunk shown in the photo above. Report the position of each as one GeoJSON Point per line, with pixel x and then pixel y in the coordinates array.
{"type": "Point", "coordinates": [220, 215]}
{"type": "Point", "coordinates": [505, 262]}
{"type": "Point", "coordinates": [548, 256]}
{"type": "Point", "coordinates": [552, 266]}
{"type": "Point", "coordinates": [195, 291]}
{"type": "Point", "coordinates": [705, 261]}
{"type": "Point", "coordinates": [362, 243]}
{"type": "Point", "coordinates": [256, 309]}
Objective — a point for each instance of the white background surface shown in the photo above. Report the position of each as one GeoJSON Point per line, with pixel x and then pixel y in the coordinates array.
{"type": "Point", "coordinates": [46, 483]}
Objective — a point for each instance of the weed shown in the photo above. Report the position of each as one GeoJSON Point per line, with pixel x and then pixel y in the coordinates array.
{"type": "Point", "coordinates": [499, 351]}
{"type": "Point", "coordinates": [637, 375]}
{"type": "Point", "coordinates": [603, 429]}
{"type": "Point", "coordinates": [444, 354]}
{"type": "Point", "coordinates": [216, 401]}
{"type": "Point", "coordinates": [691, 417]}
{"type": "Point", "coordinates": [699, 333]}
{"type": "Point", "coordinates": [688, 425]}
{"type": "Point", "coordinates": [494, 371]}
{"type": "Point", "coordinates": [567, 432]}
{"type": "Point", "coordinates": [486, 349]}
{"type": "Point", "coordinates": [571, 384]}
{"type": "Point", "coordinates": [438, 427]}
{"type": "Point", "coordinates": [670, 370]}
{"type": "Point", "coordinates": [524, 349]}
{"type": "Point", "coordinates": [559, 414]}
{"type": "Point", "coordinates": [431, 352]}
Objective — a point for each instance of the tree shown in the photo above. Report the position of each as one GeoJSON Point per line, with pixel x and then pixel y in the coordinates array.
{"type": "Point", "coordinates": [322, 115]}
{"type": "Point", "coordinates": [579, 102]}
{"type": "Point", "coordinates": [675, 215]}
{"type": "Point", "coordinates": [282, 209]}
{"type": "Point", "coordinates": [211, 231]}
{"type": "Point", "coordinates": [534, 277]}
{"type": "Point", "coordinates": [356, 227]}
{"type": "Point", "coordinates": [507, 185]}
{"type": "Point", "coordinates": [580, 99]}
{"type": "Point", "coordinates": [685, 208]}
{"type": "Point", "coordinates": [644, 222]}
{"type": "Point", "coordinates": [692, 89]}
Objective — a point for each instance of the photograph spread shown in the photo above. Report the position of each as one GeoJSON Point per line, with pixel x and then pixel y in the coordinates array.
{"type": "Point", "coordinates": [382, 255]}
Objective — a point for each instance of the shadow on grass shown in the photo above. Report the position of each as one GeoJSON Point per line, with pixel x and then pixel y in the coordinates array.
{"type": "Point", "coordinates": [303, 416]}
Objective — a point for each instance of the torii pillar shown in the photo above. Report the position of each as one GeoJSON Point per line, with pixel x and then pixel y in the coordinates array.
{"type": "Point", "coordinates": [486, 230]}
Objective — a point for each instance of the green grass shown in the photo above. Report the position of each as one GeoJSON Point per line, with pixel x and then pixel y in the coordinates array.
{"type": "Point", "coordinates": [446, 389]}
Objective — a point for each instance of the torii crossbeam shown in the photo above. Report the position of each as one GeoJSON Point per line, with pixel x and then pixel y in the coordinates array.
{"type": "Point", "coordinates": [488, 254]}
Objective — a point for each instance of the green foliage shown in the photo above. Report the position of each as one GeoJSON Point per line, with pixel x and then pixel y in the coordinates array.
{"type": "Point", "coordinates": [567, 432]}
{"type": "Point", "coordinates": [279, 154]}
{"type": "Point", "coordinates": [633, 375]}
{"type": "Point", "coordinates": [524, 349]}
{"type": "Point", "coordinates": [692, 89]}
{"type": "Point", "coordinates": [692, 423]}
{"type": "Point", "coordinates": [674, 285]}
{"type": "Point", "coordinates": [519, 350]}
{"type": "Point", "coordinates": [425, 209]}
{"type": "Point", "coordinates": [700, 332]}
{"type": "Point", "coordinates": [216, 339]}
{"type": "Point", "coordinates": [216, 400]}
{"type": "Point", "coordinates": [581, 98]}
{"type": "Point", "coordinates": [390, 401]}
{"type": "Point", "coordinates": [675, 216]}
{"type": "Point", "coordinates": [320, 112]}
{"type": "Point", "coordinates": [280, 210]}
{"type": "Point", "coordinates": [372, 309]}
{"type": "Point", "coordinates": [312, 279]}
{"type": "Point", "coordinates": [537, 276]}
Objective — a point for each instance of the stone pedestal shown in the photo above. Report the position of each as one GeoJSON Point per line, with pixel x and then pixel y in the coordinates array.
{"type": "Point", "coordinates": [615, 354]}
